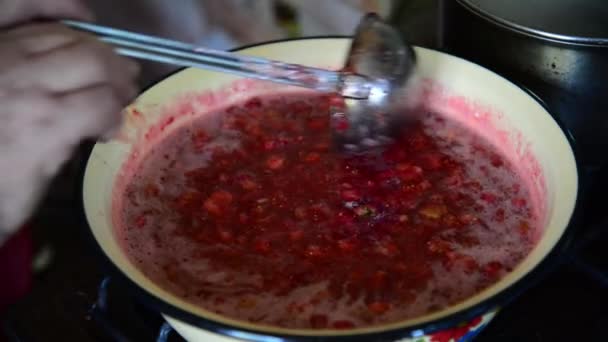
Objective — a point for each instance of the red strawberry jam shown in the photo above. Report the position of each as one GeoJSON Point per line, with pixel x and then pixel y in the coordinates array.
{"type": "Point", "coordinates": [254, 216]}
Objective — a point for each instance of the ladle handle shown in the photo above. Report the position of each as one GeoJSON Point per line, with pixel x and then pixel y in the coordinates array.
{"type": "Point", "coordinates": [177, 53]}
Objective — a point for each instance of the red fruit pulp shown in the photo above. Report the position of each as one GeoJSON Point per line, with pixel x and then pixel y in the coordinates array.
{"type": "Point", "coordinates": [255, 217]}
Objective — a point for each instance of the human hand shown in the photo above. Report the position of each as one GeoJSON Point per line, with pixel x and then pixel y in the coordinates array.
{"type": "Point", "coordinates": [57, 86]}
{"type": "Point", "coordinates": [14, 12]}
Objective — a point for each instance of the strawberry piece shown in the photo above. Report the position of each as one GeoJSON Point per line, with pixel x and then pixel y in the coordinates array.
{"type": "Point", "coordinates": [318, 123]}
{"type": "Point", "coordinates": [499, 215]}
{"type": "Point", "coordinates": [218, 202]}
{"type": "Point", "coordinates": [312, 157]}
{"type": "Point", "coordinates": [431, 161]}
{"type": "Point", "coordinates": [347, 245]}
{"type": "Point", "coordinates": [519, 202]}
{"type": "Point", "coordinates": [314, 251]}
{"type": "Point", "coordinates": [350, 195]}
{"type": "Point", "coordinates": [488, 197]}
{"type": "Point", "coordinates": [275, 162]}
{"type": "Point", "coordinates": [343, 324]}
{"type": "Point", "coordinates": [262, 246]}
{"type": "Point", "coordinates": [341, 125]}
{"type": "Point", "coordinates": [379, 280]}
{"type": "Point", "coordinates": [438, 246]}
{"type": "Point", "coordinates": [492, 269]}
{"type": "Point", "coordinates": [296, 235]}
{"type": "Point", "coordinates": [254, 103]}
{"type": "Point", "coordinates": [300, 213]}
{"type": "Point", "coordinates": [225, 235]}
{"type": "Point", "coordinates": [408, 172]}
{"type": "Point", "coordinates": [141, 221]}
{"type": "Point", "coordinates": [199, 140]}
{"type": "Point", "coordinates": [433, 211]}
{"type": "Point", "coordinates": [496, 161]}
{"type": "Point", "coordinates": [378, 307]}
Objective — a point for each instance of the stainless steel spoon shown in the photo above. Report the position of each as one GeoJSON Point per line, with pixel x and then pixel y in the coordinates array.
{"type": "Point", "coordinates": [378, 65]}
{"type": "Point", "coordinates": [379, 53]}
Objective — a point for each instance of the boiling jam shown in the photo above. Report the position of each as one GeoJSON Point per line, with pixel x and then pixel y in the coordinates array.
{"type": "Point", "coordinates": [250, 213]}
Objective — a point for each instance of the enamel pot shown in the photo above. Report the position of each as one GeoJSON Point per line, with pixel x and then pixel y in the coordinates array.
{"type": "Point", "coordinates": [468, 92]}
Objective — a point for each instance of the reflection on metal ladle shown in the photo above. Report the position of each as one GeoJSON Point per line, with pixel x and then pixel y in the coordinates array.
{"type": "Point", "coordinates": [387, 63]}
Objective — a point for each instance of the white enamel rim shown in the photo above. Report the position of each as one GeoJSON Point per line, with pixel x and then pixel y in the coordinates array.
{"type": "Point", "coordinates": [521, 113]}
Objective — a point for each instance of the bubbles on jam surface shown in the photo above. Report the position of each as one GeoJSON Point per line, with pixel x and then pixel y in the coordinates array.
{"type": "Point", "coordinates": [253, 215]}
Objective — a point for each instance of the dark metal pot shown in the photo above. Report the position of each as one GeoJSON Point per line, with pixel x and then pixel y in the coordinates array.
{"type": "Point", "coordinates": [556, 48]}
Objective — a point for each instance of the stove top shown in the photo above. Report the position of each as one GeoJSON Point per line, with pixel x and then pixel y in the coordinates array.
{"type": "Point", "coordinates": [74, 301]}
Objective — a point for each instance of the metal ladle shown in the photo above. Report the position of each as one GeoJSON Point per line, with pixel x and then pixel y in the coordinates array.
{"type": "Point", "coordinates": [377, 66]}
{"type": "Point", "coordinates": [380, 54]}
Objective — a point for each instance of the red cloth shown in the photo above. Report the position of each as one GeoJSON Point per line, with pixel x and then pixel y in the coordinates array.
{"type": "Point", "coordinates": [15, 268]}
